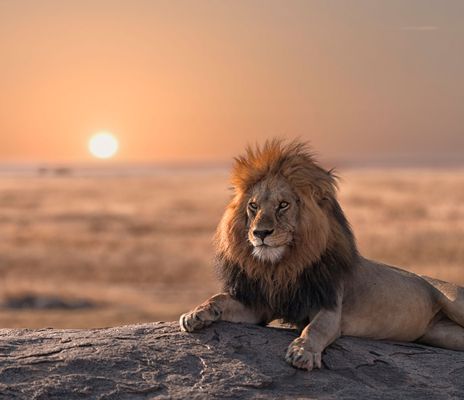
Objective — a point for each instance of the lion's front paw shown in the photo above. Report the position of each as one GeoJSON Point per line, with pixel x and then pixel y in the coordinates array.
{"type": "Point", "coordinates": [190, 322]}
{"type": "Point", "coordinates": [300, 357]}
{"type": "Point", "coordinates": [198, 318]}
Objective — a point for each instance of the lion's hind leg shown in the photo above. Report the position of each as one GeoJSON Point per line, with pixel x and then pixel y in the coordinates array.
{"type": "Point", "coordinates": [444, 333]}
{"type": "Point", "coordinates": [450, 298]}
{"type": "Point", "coordinates": [452, 302]}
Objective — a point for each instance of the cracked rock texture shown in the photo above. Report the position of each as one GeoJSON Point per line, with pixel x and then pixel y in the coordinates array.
{"type": "Point", "coordinates": [223, 361]}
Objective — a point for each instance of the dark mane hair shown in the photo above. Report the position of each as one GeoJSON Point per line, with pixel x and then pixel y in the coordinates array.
{"type": "Point", "coordinates": [324, 251]}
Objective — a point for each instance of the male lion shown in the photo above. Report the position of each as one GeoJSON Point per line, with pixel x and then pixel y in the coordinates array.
{"type": "Point", "coordinates": [286, 251]}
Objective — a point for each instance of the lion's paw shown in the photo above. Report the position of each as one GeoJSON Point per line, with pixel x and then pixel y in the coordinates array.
{"type": "Point", "coordinates": [299, 357]}
{"type": "Point", "coordinates": [190, 322]}
{"type": "Point", "coordinates": [198, 318]}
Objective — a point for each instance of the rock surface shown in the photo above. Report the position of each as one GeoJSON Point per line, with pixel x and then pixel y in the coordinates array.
{"type": "Point", "coordinates": [223, 361]}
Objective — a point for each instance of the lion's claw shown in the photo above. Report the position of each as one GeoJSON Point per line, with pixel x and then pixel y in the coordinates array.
{"type": "Point", "coordinates": [298, 356]}
{"type": "Point", "coordinates": [183, 324]}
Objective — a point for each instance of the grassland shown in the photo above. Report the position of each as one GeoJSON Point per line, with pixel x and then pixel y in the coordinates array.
{"type": "Point", "coordinates": [139, 248]}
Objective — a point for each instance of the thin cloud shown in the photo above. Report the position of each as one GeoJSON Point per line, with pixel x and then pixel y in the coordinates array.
{"type": "Point", "coordinates": [420, 28]}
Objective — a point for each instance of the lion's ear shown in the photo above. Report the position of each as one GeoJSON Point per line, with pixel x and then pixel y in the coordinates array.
{"type": "Point", "coordinates": [324, 186]}
{"type": "Point", "coordinates": [333, 177]}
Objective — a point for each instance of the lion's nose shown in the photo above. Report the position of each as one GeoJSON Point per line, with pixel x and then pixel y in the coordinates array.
{"type": "Point", "coordinates": [263, 234]}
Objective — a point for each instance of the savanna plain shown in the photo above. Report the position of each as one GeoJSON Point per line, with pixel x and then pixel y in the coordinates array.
{"type": "Point", "coordinates": [96, 251]}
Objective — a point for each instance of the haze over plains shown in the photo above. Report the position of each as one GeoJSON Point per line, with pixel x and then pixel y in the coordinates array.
{"type": "Point", "coordinates": [196, 81]}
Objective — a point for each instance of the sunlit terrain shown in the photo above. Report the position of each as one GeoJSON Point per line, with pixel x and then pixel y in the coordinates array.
{"type": "Point", "coordinates": [108, 250]}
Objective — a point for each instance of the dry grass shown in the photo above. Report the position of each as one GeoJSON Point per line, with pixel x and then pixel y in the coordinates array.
{"type": "Point", "coordinates": [140, 248]}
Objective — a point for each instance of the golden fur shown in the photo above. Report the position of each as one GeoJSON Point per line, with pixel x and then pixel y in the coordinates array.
{"type": "Point", "coordinates": [316, 229]}
{"type": "Point", "coordinates": [285, 208]}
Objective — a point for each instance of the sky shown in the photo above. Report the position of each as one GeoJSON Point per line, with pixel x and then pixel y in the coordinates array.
{"type": "Point", "coordinates": [198, 80]}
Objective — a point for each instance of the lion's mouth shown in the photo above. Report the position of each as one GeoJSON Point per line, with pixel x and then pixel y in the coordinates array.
{"type": "Point", "coordinates": [268, 253]}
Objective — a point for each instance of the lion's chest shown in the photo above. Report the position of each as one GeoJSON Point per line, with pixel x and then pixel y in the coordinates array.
{"type": "Point", "coordinates": [293, 302]}
{"type": "Point", "coordinates": [293, 307]}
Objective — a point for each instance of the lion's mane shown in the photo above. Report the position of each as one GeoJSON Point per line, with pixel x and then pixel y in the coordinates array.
{"type": "Point", "coordinates": [323, 250]}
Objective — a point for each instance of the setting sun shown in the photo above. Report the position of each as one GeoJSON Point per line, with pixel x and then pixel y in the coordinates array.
{"type": "Point", "coordinates": [103, 145]}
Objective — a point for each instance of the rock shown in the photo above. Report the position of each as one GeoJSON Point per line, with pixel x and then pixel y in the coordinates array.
{"type": "Point", "coordinates": [223, 361]}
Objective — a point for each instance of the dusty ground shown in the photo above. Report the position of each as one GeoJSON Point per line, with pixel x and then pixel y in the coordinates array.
{"type": "Point", "coordinates": [140, 249]}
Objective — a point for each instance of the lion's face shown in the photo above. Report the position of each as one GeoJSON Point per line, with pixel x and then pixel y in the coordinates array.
{"type": "Point", "coordinates": [283, 217]}
{"type": "Point", "coordinates": [272, 218]}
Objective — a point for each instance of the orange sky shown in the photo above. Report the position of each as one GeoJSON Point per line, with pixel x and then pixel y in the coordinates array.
{"type": "Point", "coordinates": [198, 80]}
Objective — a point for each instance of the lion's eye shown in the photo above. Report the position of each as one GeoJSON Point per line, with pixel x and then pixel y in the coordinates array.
{"type": "Point", "coordinates": [283, 205]}
{"type": "Point", "coordinates": [253, 206]}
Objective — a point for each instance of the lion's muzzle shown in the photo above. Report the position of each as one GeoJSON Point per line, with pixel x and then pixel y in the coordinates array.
{"type": "Point", "coordinates": [262, 234]}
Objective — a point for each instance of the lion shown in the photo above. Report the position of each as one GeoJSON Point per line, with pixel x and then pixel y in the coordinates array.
{"type": "Point", "coordinates": [285, 250]}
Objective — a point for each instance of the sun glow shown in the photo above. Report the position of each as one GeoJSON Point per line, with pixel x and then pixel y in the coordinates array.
{"type": "Point", "coordinates": [103, 145]}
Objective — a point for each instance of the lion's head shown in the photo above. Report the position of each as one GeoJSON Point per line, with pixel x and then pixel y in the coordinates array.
{"type": "Point", "coordinates": [284, 215]}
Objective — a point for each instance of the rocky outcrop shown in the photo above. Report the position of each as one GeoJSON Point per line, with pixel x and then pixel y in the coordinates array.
{"type": "Point", "coordinates": [223, 361]}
